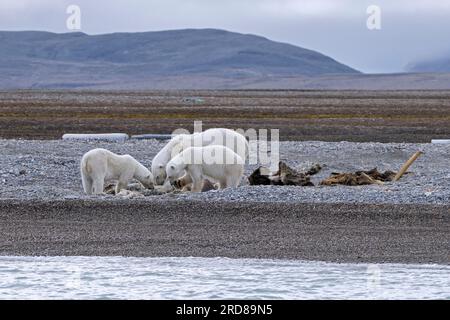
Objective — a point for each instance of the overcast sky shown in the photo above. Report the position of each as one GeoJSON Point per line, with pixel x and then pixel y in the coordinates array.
{"type": "Point", "coordinates": [411, 30]}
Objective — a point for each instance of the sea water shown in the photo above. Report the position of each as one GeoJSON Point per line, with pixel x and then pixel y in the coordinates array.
{"type": "Point", "coordinates": [215, 278]}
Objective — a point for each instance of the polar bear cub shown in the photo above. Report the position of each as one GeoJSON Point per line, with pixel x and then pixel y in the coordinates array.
{"type": "Point", "coordinates": [215, 163]}
{"type": "Point", "coordinates": [101, 165]}
{"type": "Point", "coordinates": [215, 136]}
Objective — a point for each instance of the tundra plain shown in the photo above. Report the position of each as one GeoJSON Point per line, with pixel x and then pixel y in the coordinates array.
{"type": "Point", "coordinates": [358, 116]}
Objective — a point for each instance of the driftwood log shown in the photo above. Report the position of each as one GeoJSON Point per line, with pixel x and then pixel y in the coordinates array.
{"type": "Point", "coordinates": [285, 176]}
{"type": "Point", "coordinates": [407, 165]}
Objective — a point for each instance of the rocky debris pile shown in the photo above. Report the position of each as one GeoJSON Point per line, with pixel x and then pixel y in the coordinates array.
{"type": "Point", "coordinates": [285, 176]}
{"type": "Point", "coordinates": [359, 178]}
{"type": "Point", "coordinates": [370, 177]}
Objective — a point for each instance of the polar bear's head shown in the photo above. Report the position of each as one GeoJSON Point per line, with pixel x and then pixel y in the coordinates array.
{"type": "Point", "coordinates": [159, 173]}
{"type": "Point", "coordinates": [174, 147]}
{"type": "Point", "coordinates": [174, 170]}
{"type": "Point", "coordinates": [147, 181]}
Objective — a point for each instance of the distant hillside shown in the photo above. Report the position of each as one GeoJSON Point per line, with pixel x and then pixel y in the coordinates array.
{"type": "Point", "coordinates": [185, 59]}
{"type": "Point", "coordinates": [441, 65]}
{"type": "Point", "coordinates": [43, 59]}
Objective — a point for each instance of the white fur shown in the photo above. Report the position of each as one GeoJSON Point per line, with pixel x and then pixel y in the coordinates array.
{"type": "Point", "coordinates": [226, 173]}
{"type": "Point", "coordinates": [100, 165]}
{"type": "Point", "coordinates": [215, 136]}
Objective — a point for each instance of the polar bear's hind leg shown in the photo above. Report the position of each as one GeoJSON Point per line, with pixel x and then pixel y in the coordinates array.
{"type": "Point", "coordinates": [87, 183]}
{"type": "Point", "coordinates": [86, 179]}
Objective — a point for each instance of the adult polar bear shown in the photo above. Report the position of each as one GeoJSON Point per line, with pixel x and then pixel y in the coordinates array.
{"type": "Point", "coordinates": [100, 165]}
{"type": "Point", "coordinates": [219, 164]}
{"type": "Point", "coordinates": [216, 136]}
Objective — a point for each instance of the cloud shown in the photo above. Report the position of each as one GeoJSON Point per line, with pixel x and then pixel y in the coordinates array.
{"type": "Point", "coordinates": [296, 8]}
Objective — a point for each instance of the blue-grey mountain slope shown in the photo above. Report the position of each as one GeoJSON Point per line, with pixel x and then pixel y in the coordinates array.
{"type": "Point", "coordinates": [439, 65]}
{"type": "Point", "coordinates": [43, 59]}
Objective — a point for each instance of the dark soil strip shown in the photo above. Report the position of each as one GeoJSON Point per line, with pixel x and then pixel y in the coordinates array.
{"type": "Point", "coordinates": [328, 232]}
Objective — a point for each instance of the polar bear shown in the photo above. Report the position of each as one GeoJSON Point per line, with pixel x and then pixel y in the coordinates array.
{"type": "Point", "coordinates": [216, 136]}
{"type": "Point", "coordinates": [101, 165]}
{"type": "Point", "coordinates": [215, 163]}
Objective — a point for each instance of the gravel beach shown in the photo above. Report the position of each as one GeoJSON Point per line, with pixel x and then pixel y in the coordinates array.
{"type": "Point", "coordinates": [49, 170]}
{"type": "Point", "coordinates": [43, 210]}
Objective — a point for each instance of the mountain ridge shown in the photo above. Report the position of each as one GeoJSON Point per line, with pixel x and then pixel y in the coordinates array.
{"type": "Point", "coordinates": [48, 57]}
{"type": "Point", "coordinates": [181, 59]}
